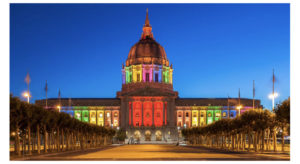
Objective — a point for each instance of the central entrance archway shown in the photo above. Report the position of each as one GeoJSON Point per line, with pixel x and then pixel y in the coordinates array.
{"type": "Point", "coordinates": [148, 135]}
{"type": "Point", "coordinates": [158, 135]}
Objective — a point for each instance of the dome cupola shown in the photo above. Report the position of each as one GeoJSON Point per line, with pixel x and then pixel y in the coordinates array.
{"type": "Point", "coordinates": [147, 50]}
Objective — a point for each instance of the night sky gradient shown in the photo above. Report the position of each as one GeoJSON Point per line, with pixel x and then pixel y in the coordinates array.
{"type": "Point", "coordinates": [215, 49]}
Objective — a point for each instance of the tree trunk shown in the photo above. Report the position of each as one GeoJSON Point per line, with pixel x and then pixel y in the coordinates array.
{"type": "Point", "coordinates": [232, 142]}
{"type": "Point", "coordinates": [62, 140]}
{"type": "Point", "coordinates": [274, 140]}
{"type": "Point", "coordinates": [29, 140]}
{"type": "Point", "coordinates": [45, 139]}
{"type": "Point", "coordinates": [263, 140]}
{"type": "Point", "coordinates": [38, 139]}
{"type": "Point", "coordinates": [67, 140]}
{"type": "Point", "coordinates": [282, 139]}
{"type": "Point", "coordinates": [17, 141]}
{"type": "Point", "coordinates": [249, 141]}
{"type": "Point", "coordinates": [255, 141]}
{"type": "Point", "coordinates": [57, 140]}
{"type": "Point", "coordinates": [24, 143]}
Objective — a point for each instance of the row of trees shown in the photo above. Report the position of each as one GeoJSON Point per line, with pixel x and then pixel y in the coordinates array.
{"type": "Point", "coordinates": [32, 127]}
{"type": "Point", "coordinates": [255, 130]}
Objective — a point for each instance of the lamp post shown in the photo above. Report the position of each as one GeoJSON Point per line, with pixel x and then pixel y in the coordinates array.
{"type": "Point", "coordinates": [58, 107]}
{"type": "Point", "coordinates": [26, 95]}
{"type": "Point", "coordinates": [273, 96]}
{"type": "Point", "coordinates": [239, 108]}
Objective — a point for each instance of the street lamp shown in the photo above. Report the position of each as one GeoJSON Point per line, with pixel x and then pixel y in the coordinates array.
{"type": "Point", "coordinates": [58, 107]}
{"type": "Point", "coordinates": [273, 96]}
{"type": "Point", "coordinates": [26, 95]}
{"type": "Point", "coordinates": [239, 108]}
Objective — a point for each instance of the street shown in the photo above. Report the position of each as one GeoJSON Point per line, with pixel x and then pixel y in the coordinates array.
{"type": "Point", "coordinates": [160, 152]}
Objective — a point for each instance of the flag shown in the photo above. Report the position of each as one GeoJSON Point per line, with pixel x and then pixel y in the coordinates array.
{"type": "Point", "coordinates": [27, 79]}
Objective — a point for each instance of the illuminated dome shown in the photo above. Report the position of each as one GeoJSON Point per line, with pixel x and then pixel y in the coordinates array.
{"type": "Point", "coordinates": [147, 50]}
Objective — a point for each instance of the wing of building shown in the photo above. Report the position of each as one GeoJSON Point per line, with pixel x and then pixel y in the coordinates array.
{"type": "Point", "coordinates": [147, 106]}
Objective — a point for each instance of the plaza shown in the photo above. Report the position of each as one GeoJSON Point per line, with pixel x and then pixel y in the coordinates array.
{"type": "Point", "coordinates": [159, 152]}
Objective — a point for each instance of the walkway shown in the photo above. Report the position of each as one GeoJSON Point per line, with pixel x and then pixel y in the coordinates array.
{"type": "Point", "coordinates": [160, 152]}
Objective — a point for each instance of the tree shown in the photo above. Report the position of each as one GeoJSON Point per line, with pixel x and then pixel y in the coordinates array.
{"type": "Point", "coordinates": [121, 135]}
{"type": "Point", "coordinates": [282, 112]}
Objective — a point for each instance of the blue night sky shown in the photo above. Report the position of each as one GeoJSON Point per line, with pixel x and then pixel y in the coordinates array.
{"type": "Point", "coordinates": [215, 49]}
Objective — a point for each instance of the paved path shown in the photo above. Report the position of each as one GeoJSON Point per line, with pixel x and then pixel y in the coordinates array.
{"type": "Point", "coordinates": [160, 152]}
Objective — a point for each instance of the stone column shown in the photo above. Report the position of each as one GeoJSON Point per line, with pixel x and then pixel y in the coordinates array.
{"type": "Point", "coordinates": [132, 113]}
{"type": "Point", "coordinates": [104, 117]}
{"type": "Point", "coordinates": [111, 121]}
{"type": "Point", "coordinates": [153, 102]}
{"type": "Point", "coordinates": [142, 112]}
{"type": "Point", "coordinates": [163, 113]}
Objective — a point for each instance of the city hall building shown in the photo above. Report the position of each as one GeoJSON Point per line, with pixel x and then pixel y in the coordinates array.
{"type": "Point", "coordinates": [148, 107]}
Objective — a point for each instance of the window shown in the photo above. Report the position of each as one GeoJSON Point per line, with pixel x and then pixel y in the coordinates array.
{"type": "Point", "coordinates": [138, 77]}
{"type": "Point", "coordinates": [116, 114]}
{"type": "Point", "coordinates": [186, 114]}
{"type": "Point", "coordinates": [194, 114]}
{"type": "Point", "coordinates": [100, 115]}
{"type": "Point", "coordinates": [147, 77]}
{"type": "Point", "coordinates": [224, 114]}
{"type": "Point", "coordinates": [147, 115]}
{"type": "Point", "coordinates": [231, 114]}
{"type": "Point", "coordinates": [107, 114]}
{"type": "Point", "coordinates": [137, 124]}
{"type": "Point", "coordinates": [156, 77]}
{"type": "Point", "coordinates": [179, 115]}
{"type": "Point", "coordinates": [137, 115]}
{"type": "Point", "coordinates": [179, 123]}
{"type": "Point", "coordinates": [202, 114]}
{"type": "Point", "coordinates": [217, 114]}
{"type": "Point", "coordinates": [209, 114]}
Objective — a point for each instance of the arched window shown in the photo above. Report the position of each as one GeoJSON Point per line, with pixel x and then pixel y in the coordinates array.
{"type": "Point", "coordinates": [147, 77]}
{"type": "Point", "coordinates": [224, 114]}
{"type": "Point", "coordinates": [138, 77]}
{"type": "Point", "coordinates": [156, 77]}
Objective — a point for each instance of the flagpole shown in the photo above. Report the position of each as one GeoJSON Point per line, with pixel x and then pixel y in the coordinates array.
{"type": "Point", "coordinates": [59, 99]}
{"type": "Point", "coordinates": [228, 106]}
{"type": "Point", "coordinates": [273, 91]}
{"type": "Point", "coordinates": [253, 94]}
{"type": "Point", "coordinates": [46, 89]}
{"type": "Point", "coordinates": [239, 102]}
{"type": "Point", "coordinates": [239, 97]}
{"type": "Point", "coordinates": [27, 80]}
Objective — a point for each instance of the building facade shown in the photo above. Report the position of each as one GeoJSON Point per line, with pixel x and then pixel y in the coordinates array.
{"type": "Point", "coordinates": [147, 106]}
